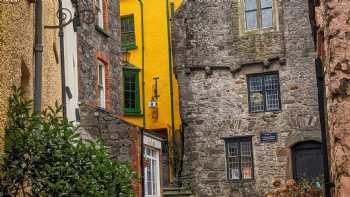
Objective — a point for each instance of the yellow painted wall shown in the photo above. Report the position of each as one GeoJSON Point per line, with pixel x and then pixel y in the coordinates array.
{"type": "Point", "coordinates": [16, 54]}
{"type": "Point", "coordinates": [156, 50]}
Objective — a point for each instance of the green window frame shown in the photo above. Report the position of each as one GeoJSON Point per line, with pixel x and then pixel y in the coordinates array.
{"type": "Point", "coordinates": [128, 32]}
{"type": "Point", "coordinates": [172, 9]}
{"type": "Point", "coordinates": [131, 91]}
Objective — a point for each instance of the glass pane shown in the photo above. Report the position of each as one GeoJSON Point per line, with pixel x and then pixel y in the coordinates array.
{"type": "Point", "coordinates": [266, 17]}
{"type": "Point", "coordinates": [100, 74]}
{"type": "Point", "coordinates": [266, 3]}
{"type": "Point", "coordinates": [272, 92]}
{"type": "Point", "coordinates": [255, 84]}
{"type": "Point", "coordinates": [233, 161]}
{"type": "Point", "coordinates": [251, 20]}
{"type": "Point", "coordinates": [246, 160]}
{"type": "Point", "coordinates": [250, 5]}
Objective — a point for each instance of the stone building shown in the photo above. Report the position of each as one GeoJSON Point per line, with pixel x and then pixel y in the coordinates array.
{"type": "Point", "coordinates": [17, 50]}
{"type": "Point", "coordinates": [99, 83]}
{"type": "Point", "coordinates": [333, 47]}
{"type": "Point", "coordinates": [246, 73]}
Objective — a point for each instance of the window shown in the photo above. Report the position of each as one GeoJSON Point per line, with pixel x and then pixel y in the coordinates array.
{"type": "Point", "coordinates": [131, 91]}
{"type": "Point", "coordinates": [239, 158]}
{"type": "Point", "coordinates": [128, 32]}
{"type": "Point", "coordinates": [172, 10]}
{"type": "Point", "coordinates": [264, 92]}
{"type": "Point", "coordinates": [99, 13]}
{"type": "Point", "coordinates": [101, 85]}
{"type": "Point", "coordinates": [152, 171]}
{"type": "Point", "coordinates": [258, 14]}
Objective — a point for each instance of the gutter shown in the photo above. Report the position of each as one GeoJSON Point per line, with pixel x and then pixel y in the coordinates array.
{"type": "Point", "coordinates": [143, 99]}
{"type": "Point", "coordinates": [63, 72]}
{"type": "Point", "coordinates": [38, 50]}
{"type": "Point", "coordinates": [171, 86]}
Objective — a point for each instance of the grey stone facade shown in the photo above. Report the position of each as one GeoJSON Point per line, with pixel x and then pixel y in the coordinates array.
{"type": "Point", "coordinates": [93, 44]}
{"type": "Point", "coordinates": [212, 61]}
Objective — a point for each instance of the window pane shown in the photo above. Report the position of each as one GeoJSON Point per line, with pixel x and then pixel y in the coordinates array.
{"type": "Point", "coordinates": [266, 3]}
{"type": "Point", "coordinates": [250, 5]}
{"type": "Point", "coordinates": [246, 160]}
{"type": "Point", "coordinates": [266, 17]}
{"type": "Point", "coordinates": [272, 92]}
{"type": "Point", "coordinates": [127, 30]}
{"type": "Point", "coordinates": [251, 20]}
{"type": "Point", "coordinates": [233, 161]}
{"type": "Point", "coordinates": [100, 74]}
{"type": "Point", "coordinates": [256, 94]}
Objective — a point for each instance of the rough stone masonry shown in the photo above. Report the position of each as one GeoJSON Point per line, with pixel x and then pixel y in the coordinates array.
{"type": "Point", "coordinates": [213, 57]}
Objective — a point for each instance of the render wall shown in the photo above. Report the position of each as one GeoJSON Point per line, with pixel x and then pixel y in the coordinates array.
{"type": "Point", "coordinates": [212, 60]}
{"type": "Point", "coordinates": [17, 50]}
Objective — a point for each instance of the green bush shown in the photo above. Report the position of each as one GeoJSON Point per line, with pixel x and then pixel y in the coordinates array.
{"type": "Point", "coordinates": [44, 156]}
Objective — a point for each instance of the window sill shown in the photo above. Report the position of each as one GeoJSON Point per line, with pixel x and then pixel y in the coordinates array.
{"type": "Point", "coordinates": [133, 114]}
{"type": "Point", "coordinates": [129, 47]}
{"type": "Point", "coordinates": [102, 31]}
{"type": "Point", "coordinates": [266, 112]}
{"type": "Point", "coordinates": [241, 181]}
{"type": "Point", "coordinates": [258, 31]}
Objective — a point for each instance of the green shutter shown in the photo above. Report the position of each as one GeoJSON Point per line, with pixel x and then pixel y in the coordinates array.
{"type": "Point", "coordinates": [131, 91]}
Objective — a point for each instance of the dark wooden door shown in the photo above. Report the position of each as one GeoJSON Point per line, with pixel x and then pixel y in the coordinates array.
{"type": "Point", "coordinates": [307, 160]}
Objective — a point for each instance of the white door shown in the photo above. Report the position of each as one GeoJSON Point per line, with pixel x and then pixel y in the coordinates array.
{"type": "Point", "coordinates": [152, 178]}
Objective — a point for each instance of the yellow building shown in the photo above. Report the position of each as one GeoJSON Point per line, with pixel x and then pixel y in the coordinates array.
{"type": "Point", "coordinates": [153, 103]}
{"type": "Point", "coordinates": [16, 54]}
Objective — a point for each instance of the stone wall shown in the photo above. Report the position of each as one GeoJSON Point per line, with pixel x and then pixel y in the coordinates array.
{"type": "Point", "coordinates": [96, 44]}
{"type": "Point", "coordinates": [333, 20]}
{"type": "Point", "coordinates": [17, 50]}
{"type": "Point", "coordinates": [93, 44]}
{"type": "Point", "coordinates": [212, 60]}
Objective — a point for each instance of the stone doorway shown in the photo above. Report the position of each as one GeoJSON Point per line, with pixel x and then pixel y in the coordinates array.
{"type": "Point", "coordinates": [307, 161]}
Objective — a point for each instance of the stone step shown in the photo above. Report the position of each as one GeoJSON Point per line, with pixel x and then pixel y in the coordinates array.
{"type": "Point", "coordinates": [176, 192]}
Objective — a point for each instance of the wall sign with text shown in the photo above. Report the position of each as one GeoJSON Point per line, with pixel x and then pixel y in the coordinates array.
{"type": "Point", "coordinates": [268, 137]}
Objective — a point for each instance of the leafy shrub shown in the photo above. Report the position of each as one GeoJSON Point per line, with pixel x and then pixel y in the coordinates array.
{"type": "Point", "coordinates": [304, 188]}
{"type": "Point", "coordinates": [44, 156]}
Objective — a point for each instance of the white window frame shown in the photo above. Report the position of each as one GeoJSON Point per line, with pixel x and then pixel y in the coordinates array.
{"type": "Point", "coordinates": [99, 13]}
{"type": "Point", "coordinates": [101, 84]}
{"type": "Point", "coordinates": [157, 173]}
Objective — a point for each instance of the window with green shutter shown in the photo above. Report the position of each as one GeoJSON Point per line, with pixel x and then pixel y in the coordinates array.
{"type": "Point", "coordinates": [131, 91]}
{"type": "Point", "coordinates": [128, 32]}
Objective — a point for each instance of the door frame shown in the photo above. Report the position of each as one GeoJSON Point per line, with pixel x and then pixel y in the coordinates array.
{"type": "Point", "coordinates": [311, 144]}
{"type": "Point", "coordinates": [155, 145]}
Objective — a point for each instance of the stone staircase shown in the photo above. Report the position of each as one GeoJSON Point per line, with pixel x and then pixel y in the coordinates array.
{"type": "Point", "coordinates": [176, 192]}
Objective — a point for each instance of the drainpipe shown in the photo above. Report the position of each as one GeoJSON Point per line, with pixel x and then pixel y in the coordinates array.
{"type": "Point", "coordinates": [63, 72]}
{"type": "Point", "coordinates": [321, 103]}
{"type": "Point", "coordinates": [143, 99]}
{"type": "Point", "coordinates": [38, 50]}
{"type": "Point", "coordinates": [171, 84]}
